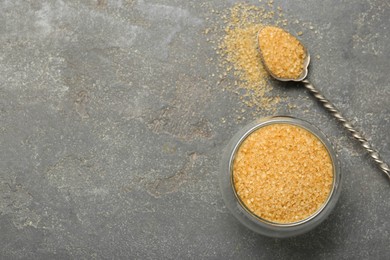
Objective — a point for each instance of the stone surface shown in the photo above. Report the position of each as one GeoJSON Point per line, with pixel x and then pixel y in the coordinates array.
{"type": "Point", "coordinates": [112, 127]}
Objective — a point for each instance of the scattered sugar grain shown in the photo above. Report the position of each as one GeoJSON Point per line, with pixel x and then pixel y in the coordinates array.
{"type": "Point", "coordinates": [239, 50]}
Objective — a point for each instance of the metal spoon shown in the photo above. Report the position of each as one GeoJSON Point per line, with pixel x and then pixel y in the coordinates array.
{"type": "Point", "coordinates": [331, 108]}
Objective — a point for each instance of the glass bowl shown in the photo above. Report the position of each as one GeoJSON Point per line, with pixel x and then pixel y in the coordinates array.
{"type": "Point", "coordinates": [252, 221]}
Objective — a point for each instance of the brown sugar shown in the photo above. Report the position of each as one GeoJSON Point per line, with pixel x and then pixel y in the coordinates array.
{"type": "Point", "coordinates": [240, 55]}
{"type": "Point", "coordinates": [282, 173]}
{"type": "Point", "coordinates": [283, 54]}
{"type": "Point", "coordinates": [243, 54]}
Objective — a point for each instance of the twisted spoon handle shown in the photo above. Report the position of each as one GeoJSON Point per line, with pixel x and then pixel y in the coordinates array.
{"type": "Point", "coordinates": [355, 133]}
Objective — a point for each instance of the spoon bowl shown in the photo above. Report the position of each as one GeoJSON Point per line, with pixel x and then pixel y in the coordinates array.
{"type": "Point", "coordinates": [305, 64]}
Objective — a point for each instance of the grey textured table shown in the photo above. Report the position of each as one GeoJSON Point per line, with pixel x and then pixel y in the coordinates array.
{"type": "Point", "coordinates": [111, 130]}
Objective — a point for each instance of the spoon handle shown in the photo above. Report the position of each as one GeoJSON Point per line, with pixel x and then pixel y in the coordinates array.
{"type": "Point", "coordinates": [348, 125]}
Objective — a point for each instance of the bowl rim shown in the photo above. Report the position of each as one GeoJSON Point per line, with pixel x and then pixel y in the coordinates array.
{"type": "Point", "coordinates": [289, 121]}
{"type": "Point", "coordinates": [250, 220]}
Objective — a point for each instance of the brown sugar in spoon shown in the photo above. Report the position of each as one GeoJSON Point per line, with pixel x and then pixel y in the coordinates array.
{"type": "Point", "coordinates": [286, 59]}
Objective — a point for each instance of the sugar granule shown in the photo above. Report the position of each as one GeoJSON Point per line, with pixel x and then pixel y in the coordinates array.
{"type": "Point", "coordinates": [282, 173]}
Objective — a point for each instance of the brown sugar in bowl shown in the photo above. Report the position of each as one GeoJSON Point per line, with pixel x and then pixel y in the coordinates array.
{"type": "Point", "coordinates": [282, 173]}
{"type": "Point", "coordinates": [280, 176]}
